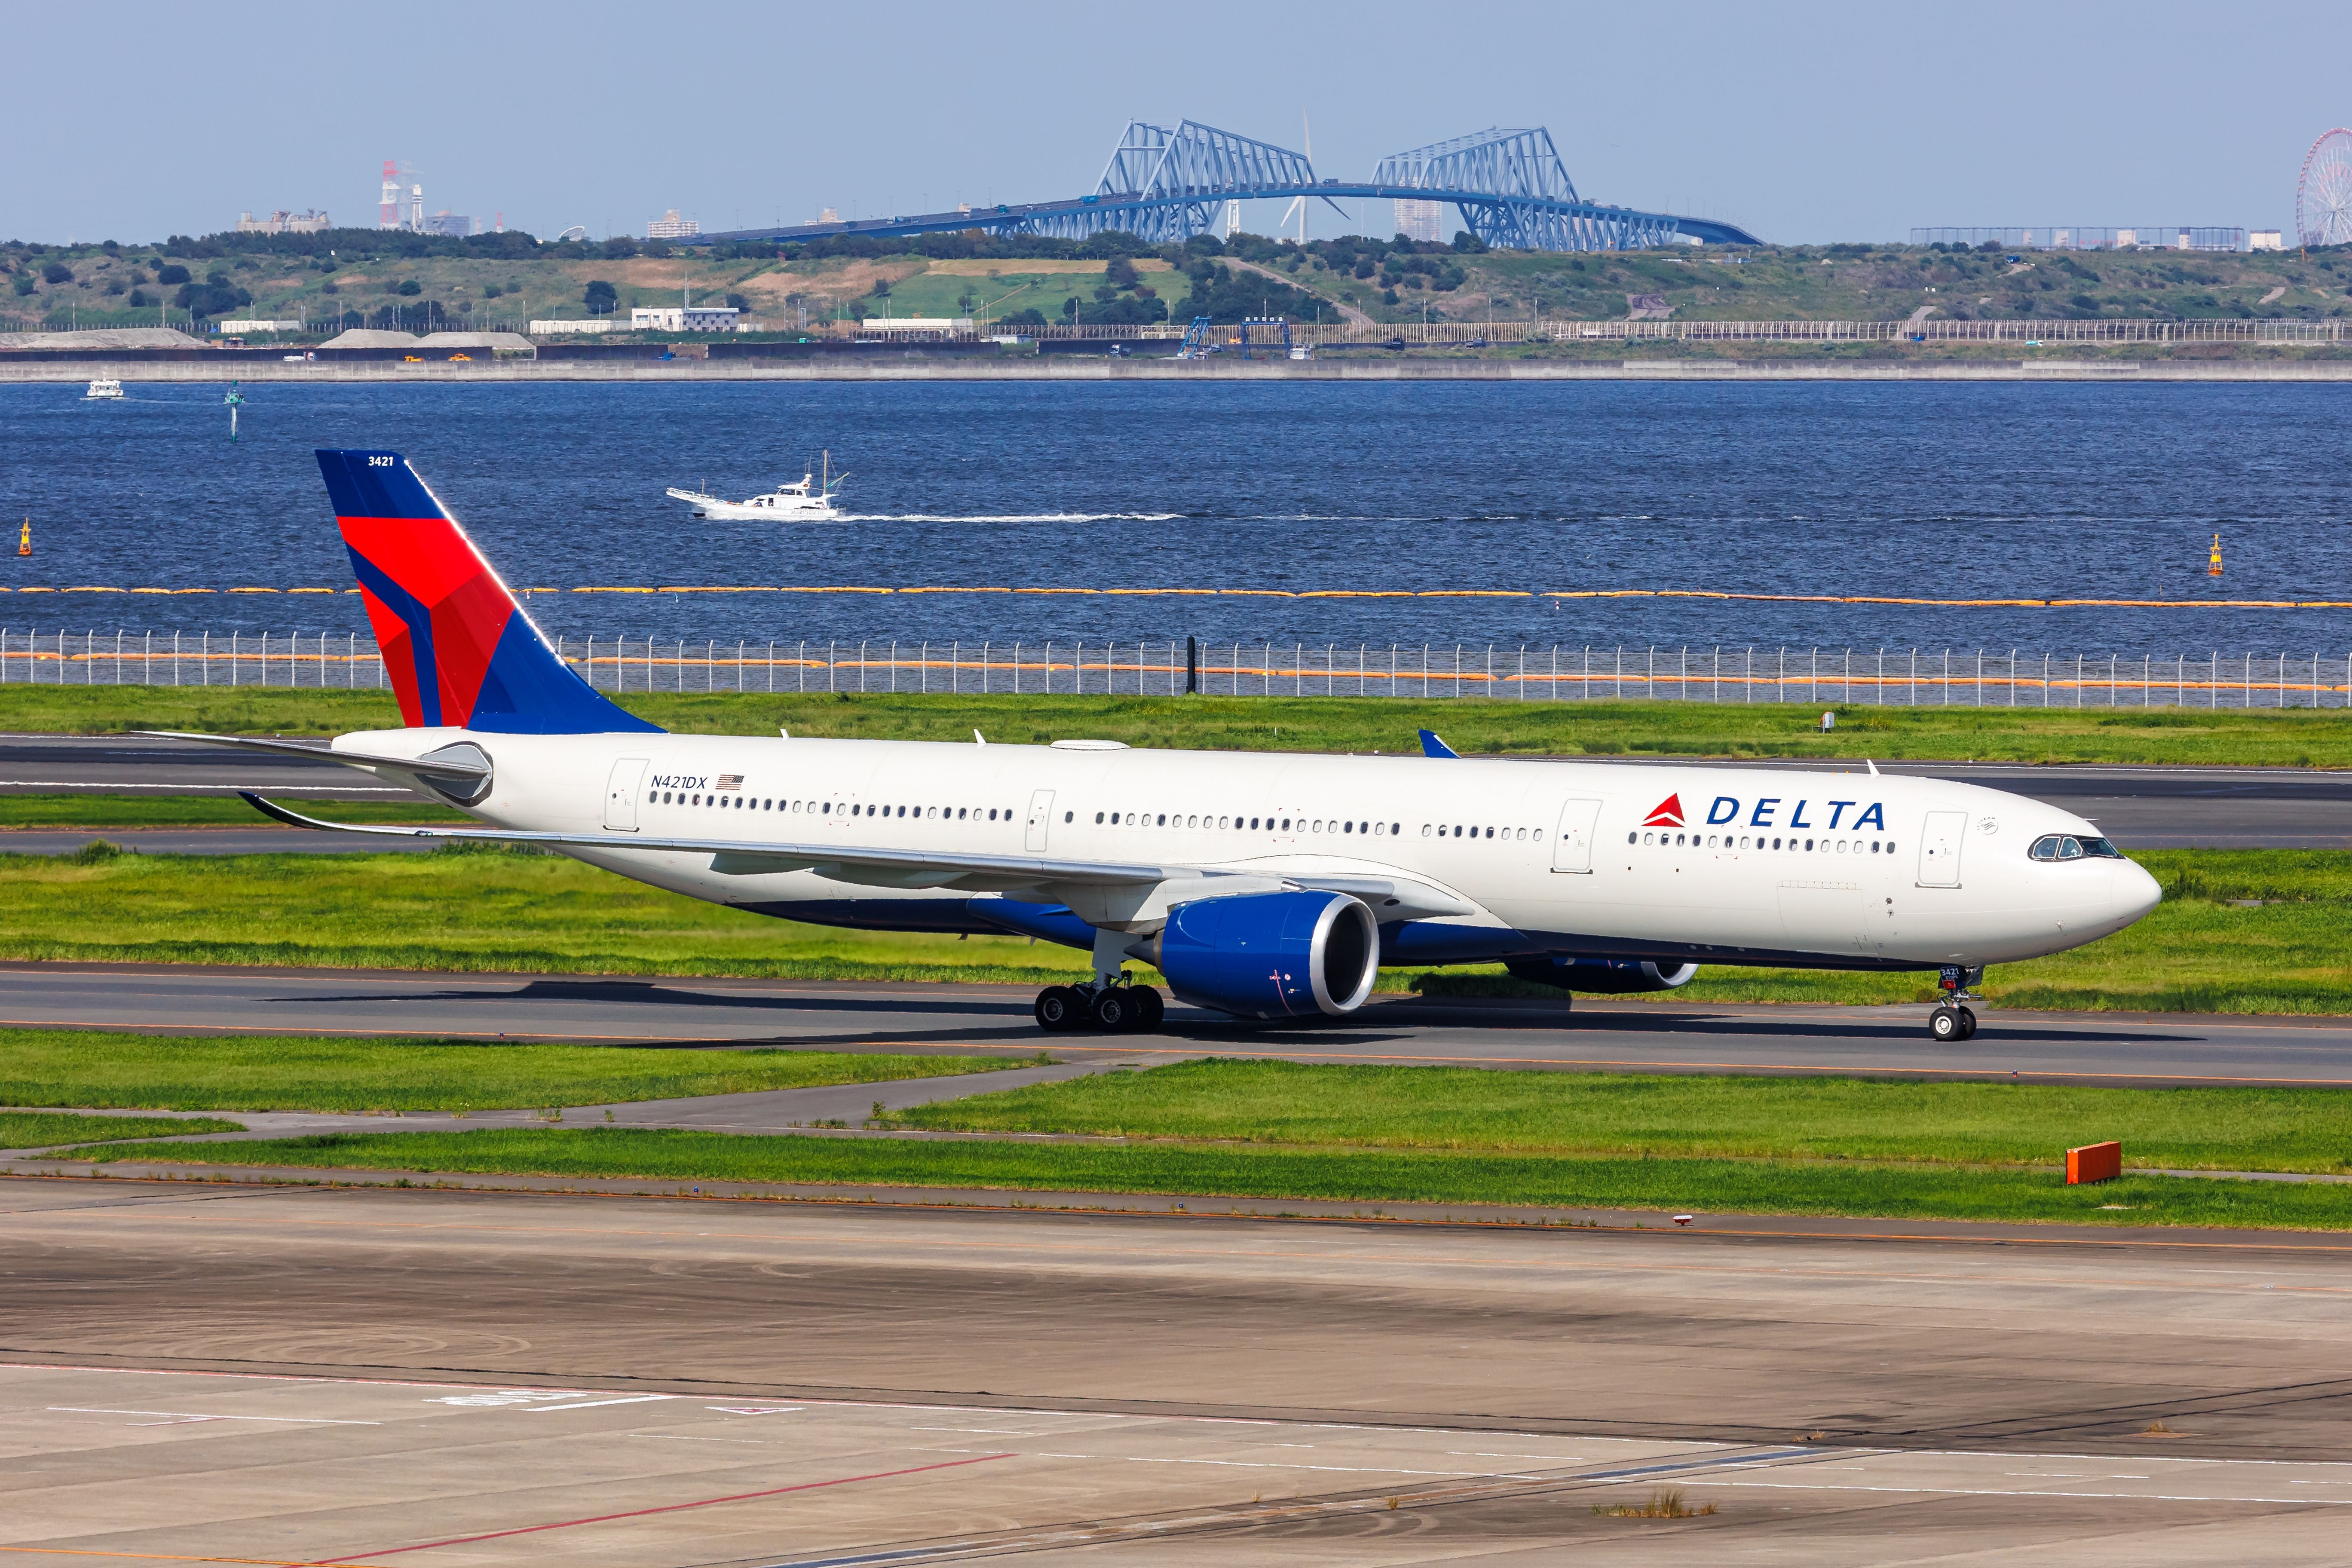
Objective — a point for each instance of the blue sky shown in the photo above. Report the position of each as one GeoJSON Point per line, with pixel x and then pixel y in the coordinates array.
{"type": "Point", "coordinates": [1805, 122]}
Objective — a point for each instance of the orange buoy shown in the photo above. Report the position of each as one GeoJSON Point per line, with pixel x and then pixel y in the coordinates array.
{"type": "Point", "coordinates": [2213, 566]}
{"type": "Point", "coordinates": [25, 539]}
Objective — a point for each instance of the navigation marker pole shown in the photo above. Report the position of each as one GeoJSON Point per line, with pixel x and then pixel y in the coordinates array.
{"type": "Point", "coordinates": [235, 400]}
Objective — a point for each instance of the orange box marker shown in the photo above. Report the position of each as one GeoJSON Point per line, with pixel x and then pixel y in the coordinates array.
{"type": "Point", "coordinates": [2093, 1162]}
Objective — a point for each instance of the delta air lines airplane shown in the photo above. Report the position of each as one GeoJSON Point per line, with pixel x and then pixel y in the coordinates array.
{"type": "Point", "coordinates": [1261, 887]}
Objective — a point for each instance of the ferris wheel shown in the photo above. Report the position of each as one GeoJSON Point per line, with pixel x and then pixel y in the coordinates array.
{"type": "Point", "coordinates": [2323, 195]}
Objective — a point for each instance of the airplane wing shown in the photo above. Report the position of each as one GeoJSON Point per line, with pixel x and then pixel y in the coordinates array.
{"type": "Point", "coordinates": [1391, 898]}
{"type": "Point", "coordinates": [848, 863]}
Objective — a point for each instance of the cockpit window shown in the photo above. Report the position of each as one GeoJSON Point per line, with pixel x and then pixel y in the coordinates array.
{"type": "Point", "coordinates": [2069, 846]}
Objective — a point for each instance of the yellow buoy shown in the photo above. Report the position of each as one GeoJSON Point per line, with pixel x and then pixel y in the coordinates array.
{"type": "Point", "coordinates": [25, 540]}
{"type": "Point", "coordinates": [2213, 566]}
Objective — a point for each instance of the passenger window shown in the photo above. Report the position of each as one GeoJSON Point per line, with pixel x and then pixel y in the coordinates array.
{"type": "Point", "coordinates": [1163, 822]}
{"type": "Point", "coordinates": [1098, 816]}
{"type": "Point", "coordinates": [1068, 814]}
{"type": "Point", "coordinates": [1424, 830]}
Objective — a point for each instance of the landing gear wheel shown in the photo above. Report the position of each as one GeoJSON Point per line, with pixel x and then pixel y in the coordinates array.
{"type": "Point", "coordinates": [1058, 1007]}
{"type": "Point", "coordinates": [1944, 1024]}
{"type": "Point", "coordinates": [1114, 1010]}
{"type": "Point", "coordinates": [1968, 1024]}
{"type": "Point", "coordinates": [1150, 1010]}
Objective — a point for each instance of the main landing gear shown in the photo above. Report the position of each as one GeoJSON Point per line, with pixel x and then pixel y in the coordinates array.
{"type": "Point", "coordinates": [1952, 1020]}
{"type": "Point", "coordinates": [1121, 1008]}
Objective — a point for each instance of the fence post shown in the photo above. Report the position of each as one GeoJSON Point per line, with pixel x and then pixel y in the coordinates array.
{"type": "Point", "coordinates": [983, 668]}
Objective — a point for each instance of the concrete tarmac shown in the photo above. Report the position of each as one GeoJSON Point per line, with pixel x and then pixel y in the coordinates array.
{"type": "Point", "coordinates": [1598, 1034]}
{"type": "Point", "coordinates": [311, 1374]}
{"type": "Point", "coordinates": [2139, 807]}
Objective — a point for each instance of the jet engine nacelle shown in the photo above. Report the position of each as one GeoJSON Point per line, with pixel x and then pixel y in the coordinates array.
{"type": "Point", "coordinates": [1270, 955]}
{"type": "Point", "coordinates": [1602, 976]}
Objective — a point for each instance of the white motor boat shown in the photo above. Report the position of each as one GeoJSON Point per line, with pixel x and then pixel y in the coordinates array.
{"type": "Point", "coordinates": [102, 389]}
{"type": "Point", "coordinates": [810, 500]}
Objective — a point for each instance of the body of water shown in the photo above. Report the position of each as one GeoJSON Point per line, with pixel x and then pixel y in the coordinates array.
{"type": "Point", "coordinates": [1984, 491]}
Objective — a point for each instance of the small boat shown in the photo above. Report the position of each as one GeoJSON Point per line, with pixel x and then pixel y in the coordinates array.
{"type": "Point", "coordinates": [102, 389]}
{"type": "Point", "coordinates": [809, 501]}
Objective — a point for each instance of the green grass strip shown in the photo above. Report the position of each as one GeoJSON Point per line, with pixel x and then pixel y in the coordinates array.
{"type": "Point", "coordinates": [2295, 737]}
{"type": "Point", "coordinates": [305, 1072]}
{"type": "Point", "coordinates": [1712, 1186]}
{"type": "Point", "coordinates": [120, 811]}
{"type": "Point", "coordinates": [42, 1129]}
{"type": "Point", "coordinates": [1468, 1111]}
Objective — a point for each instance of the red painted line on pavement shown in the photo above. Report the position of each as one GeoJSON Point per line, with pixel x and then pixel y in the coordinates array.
{"type": "Point", "coordinates": [665, 1508]}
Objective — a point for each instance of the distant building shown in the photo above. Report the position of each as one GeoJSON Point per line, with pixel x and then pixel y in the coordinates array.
{"type": "Point", "coordinates": [454, 224]}
{"type": "Point", "coordinates": [282, 222]}
{"type": "Point", "coordinates": [827, 215]}
{"type": "Point", "coordinates": [2155, 236]}
{"type": "Point", "coordinates": [683, 319]}
{"type": "Point", "coordinates": [1420, 220]}
{"type": "Point", "coordinates": [256, 326]}
{"type": "Point", "coordinates": [2266, 239]}
{"type": "Point", "coordinates": [914, 326]}
{"type": "Point", "coordinates": [555, 329]}
{"type": "Point", "coordinates": [669, 226]}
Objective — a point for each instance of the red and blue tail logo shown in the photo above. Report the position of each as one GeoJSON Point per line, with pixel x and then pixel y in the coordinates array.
{"type": "Point", "coordinates": [459, 650]}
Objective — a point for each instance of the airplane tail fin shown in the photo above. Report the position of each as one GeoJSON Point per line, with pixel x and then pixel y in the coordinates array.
{"type": "Point", "coordinates": [457, 647]}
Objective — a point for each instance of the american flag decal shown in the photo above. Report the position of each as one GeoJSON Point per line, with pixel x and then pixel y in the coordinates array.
{"type": "Point", "coordinates": [731, 780]}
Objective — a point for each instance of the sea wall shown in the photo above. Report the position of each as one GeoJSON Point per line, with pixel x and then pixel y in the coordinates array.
{"type": "Point", "coordinates": [919, 367]}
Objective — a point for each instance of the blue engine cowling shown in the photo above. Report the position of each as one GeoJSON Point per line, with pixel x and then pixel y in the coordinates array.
{"type": "Point", "coordinates": [1270, 955]}
{"type": "Point", "coordinates": [1602, 976]}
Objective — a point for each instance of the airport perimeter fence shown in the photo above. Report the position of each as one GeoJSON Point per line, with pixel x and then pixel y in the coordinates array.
{"type": "Point", "coordinates": [1834, 677]}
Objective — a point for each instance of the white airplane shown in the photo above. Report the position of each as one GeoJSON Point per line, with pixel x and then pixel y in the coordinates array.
{"type": "Point", "coordinates": [1263, 887]}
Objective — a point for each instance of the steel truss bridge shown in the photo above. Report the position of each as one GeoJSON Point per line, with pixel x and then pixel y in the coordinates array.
{"type": "Point", "coordinates": [1165, 185]}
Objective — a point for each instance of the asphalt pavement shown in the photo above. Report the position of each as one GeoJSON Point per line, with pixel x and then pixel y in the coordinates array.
{"type": "Point", "coordinates": [210, 1371]}
{"type": "Point", "coordinates": [1598, 1034]}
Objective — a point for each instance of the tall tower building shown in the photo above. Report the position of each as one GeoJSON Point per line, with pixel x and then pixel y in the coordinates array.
{"type": "Point", "coordinates": [1419, 220]}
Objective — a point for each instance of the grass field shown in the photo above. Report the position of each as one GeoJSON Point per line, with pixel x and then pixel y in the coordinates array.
{"type": "Point", "coordinates": [1464, 1111]}
{"type": "Point", "coordinates": [126, 811]}
{"type": "Point", "coordinates": [35, 1129]}
{"type": "Point", "coordinates": [267, 1072]}
{"type": "Point", "coordinates": [494, 910]}
{"type": "Point", "coordinates": [2295, 737]}
{"type": "Point", "coordinates": [1710, 1186]}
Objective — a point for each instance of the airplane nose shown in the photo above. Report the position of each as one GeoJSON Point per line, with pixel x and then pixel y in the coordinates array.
{"type": "Point", "coordinates": [2133, 892]}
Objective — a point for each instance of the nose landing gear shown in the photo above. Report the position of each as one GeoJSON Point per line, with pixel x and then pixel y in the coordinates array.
{"type": "Point", "coordinates": [1121, 1008]}
{"type": "Point", "coordinates": [1952, 1020]}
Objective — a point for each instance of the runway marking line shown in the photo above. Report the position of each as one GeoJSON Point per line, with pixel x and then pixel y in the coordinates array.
{"type": "Point", "coordinates": [666, 1508]}
{"type": "Point", "coordinates": [164, 1557]}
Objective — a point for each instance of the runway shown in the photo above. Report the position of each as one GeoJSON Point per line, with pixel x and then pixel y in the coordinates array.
{"type": "Point", "coordinates": [1600, 1034]}
{"type": "Point", "coordinates": [2139, 807]}
{"type": "Point", "coordinates": [304, 1375]}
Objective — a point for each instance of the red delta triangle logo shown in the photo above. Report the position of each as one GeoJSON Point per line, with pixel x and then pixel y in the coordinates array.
{"type": "Point", "coordinates": [1667, 812]}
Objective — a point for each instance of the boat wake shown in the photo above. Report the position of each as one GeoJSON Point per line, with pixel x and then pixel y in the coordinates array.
{"type": "Point", "coordinates": [1011, 517]}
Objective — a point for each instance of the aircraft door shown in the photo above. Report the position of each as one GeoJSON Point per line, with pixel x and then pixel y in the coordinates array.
{"type": "Point", "coordinates": [621, 795]}
{"type": "Point", "coordinates": [1041, 816]}
{"type": "Point", "coordinates": [1571, 846]}
{"type": "Point", "coordinates": [1940, 849]}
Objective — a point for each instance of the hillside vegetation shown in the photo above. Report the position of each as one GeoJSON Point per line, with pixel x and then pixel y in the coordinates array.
{"type": "Point", "coordinates": [363, 277]}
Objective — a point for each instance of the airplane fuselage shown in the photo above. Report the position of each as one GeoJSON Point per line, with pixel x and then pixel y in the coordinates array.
{"type": "Point", "coordinates": [1846, 871]}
